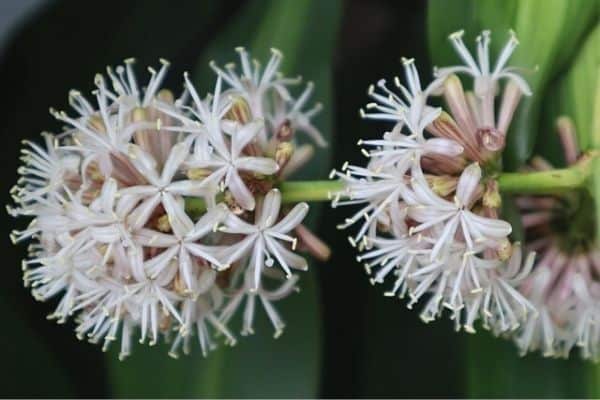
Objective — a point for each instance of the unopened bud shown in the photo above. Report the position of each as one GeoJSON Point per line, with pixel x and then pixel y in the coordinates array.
{"type": "Point", "coordinates": [198, 174]}
{"type": "Point", "coordinates": [239, 110]}
{"type": "Point", "coordinates": [233, 206]}
{"type": "Point", "coordinates": [166, 96]}
{"type": "Point", "coordinates": [491, 139]}
{"type": "Point", "coordinates": [285, 131]}
{"type": "Point", "coordinates": [491, 195]}
{"type": "Point", "coordinates": [504, 249]}
{"type": "Point", "coordinates": [163, 224]}
{"type": "Point", "coordinates": [283, 153]}
{"type": "Point", "coordinates": [138, 114]}
{"type": "Point", "coordinates": [442, 185]}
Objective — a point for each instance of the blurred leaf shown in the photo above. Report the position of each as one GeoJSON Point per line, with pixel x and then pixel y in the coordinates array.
{"type": "Point", "coordinates": [26, 354]}
{"type": "Point", "coordinates": [258, 366]}
{"type": "Point", "coordinates": [579, 90]}
{"type": "Point", "coordinates": [494, 369]}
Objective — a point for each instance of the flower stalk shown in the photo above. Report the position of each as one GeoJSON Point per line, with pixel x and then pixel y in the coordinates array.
{"type": "Point", "coordinates": [554, 181]}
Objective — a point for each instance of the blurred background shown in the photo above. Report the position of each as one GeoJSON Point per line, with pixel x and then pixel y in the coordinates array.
{"type": "Point", "coordinates": [343, 338]}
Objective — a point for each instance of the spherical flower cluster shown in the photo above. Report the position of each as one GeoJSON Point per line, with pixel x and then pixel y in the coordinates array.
{"type": "Point", "coordinates": [565, 285]}
{"type": "Point", "coordinates": [160, 215]}
{"type": "Point", "coordinates": [428, 199]}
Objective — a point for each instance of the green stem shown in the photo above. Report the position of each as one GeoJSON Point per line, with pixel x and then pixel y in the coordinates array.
{"type": "Point", "coordinates": [541, 182]}
{"type": "Point", "coordinates": [551, 181]}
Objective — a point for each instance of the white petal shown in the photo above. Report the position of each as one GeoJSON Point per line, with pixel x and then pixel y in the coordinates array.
{"type": "Point", "coordinates": [152, 238]}
{"type": "Point", "coordinates": [292, 219]}
{"type": "Point", "coordinates": [467, 184]}
{"type": "Point", "coordinates": [242, 137]}
{"type": "Point", "coordinates": [180, 222]}
{"type": "Point", "coordinates": [240, 191]}
{"type": "Point", "coordinates": [262, 165]}
{"type": "Point", "coordinates": [270, 209]}
{"type": "Point", "coordinates": [177, 156]}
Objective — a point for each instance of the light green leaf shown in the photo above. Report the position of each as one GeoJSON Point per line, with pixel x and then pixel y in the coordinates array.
{"type": "Point", "coordinates": [579, 90]}
{"type": "Point", "coordinates": [26, 354]}
{"type": "Point", "coordinates": [258, 366]}
{"type": "Point", "coordinates": [548, 30]}
{"type": "Point", "coordinates": [494, 369]}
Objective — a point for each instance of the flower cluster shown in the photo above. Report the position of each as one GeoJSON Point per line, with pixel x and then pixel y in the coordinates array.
{"type": "Point", "coordinates": [428, 199]}
{"type": "Point", "coordinates": [565, 285]}
{"type": "Point", "coordinates": [160, 215]}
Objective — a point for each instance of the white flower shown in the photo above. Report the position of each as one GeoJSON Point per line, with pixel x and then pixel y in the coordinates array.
{"type": "Point", "coordinates": [290, 111]}
{"type": "Point", "coordinates": [411, 111]}
{"type": "Point", "coordinates": [199, 312]}
{"type": "Point", "coordinates": [226, 161]}
{"type": "Point", "coordinates": [182, 244]}
{"type": "Point", "coordinates": [430, 210]}
{"type": "Point", "coordinates": [160, 188]}
{"type": "Point", "coordinates": [485, 78]}
{"type": "Point", "coordinates": [109, 200]}
{"type": "Point", "coordinates": [250, 291]}
{"type": "Point", "coordinates": [262, 237]}
{"type": "Point", "coordinates": [253, 84]}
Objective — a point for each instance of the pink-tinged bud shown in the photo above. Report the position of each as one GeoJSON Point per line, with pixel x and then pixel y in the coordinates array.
{"type": "Point", "coordinates": [510, 101]}
{"type": "Point", "coordinates": [568, 139]}
{"type": "Point", "coordinates": [490, 139]}
{"type": "Point", "coordinates": [455, 97]}
{"type": "Point", "coordinates": [444, 126]}
{"type": "Point", "coordinates": [443, 146]}
{"type": "Point", "coordinates": [315, 246]}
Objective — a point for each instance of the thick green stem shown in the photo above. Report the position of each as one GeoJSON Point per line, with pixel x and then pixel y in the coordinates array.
{"type": "Point", "coordinates": [542, 182]}
{"type": "Point", "coordinates": [551, 181]}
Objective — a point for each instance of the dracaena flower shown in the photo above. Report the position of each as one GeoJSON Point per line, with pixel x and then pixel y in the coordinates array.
{"type": "Point", "coordinates": [262, 239]}
{"type": "Point", "coordinates": [131, 232]}
{"type": "Point", "coordinates": [429, 202]}
{"type": "Point", "coordinates": [486, 77]}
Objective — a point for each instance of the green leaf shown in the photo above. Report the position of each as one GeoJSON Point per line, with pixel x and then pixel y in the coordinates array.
{"type": "Point", "coordinates": [24, 354]}
{"type": "Point", "coordinates": [579, 90]}
{"type": "Point", "coordinates": [545, 47]}
{"type": "Point", "coordinates": [258, 366]}
{"type": "Point", "coordinates": [494, 369]}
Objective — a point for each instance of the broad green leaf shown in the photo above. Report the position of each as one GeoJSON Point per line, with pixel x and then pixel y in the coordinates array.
{"type": "Point", "coordinates": [25, 354]}
{"type": "Point", "coordinates": [495, 370]}
{"type": "Point", "coordinates": [579, 90]}
{"type": "Point", "coordinates": [548, 31]}
{"type": "Point", "coordinates": [258, 366]}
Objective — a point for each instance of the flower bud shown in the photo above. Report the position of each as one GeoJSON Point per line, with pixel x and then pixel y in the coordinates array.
{"type": "Point", "coordinates": [239, 110]}
{"type": "Point", "coordinates": [283, 153]}
{"type": "Point", "coordinates": [198, 174]}
{"type": "Point", "coordinates": [442, 185]}
{"type": "Point", "coordinates": [491, 195]}
{"type": "Point", "coordinates": [163, 224]}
